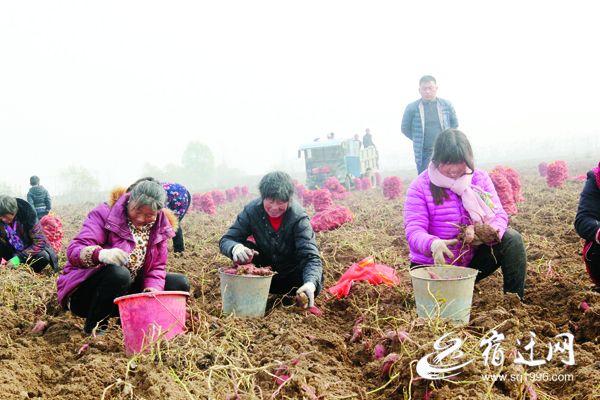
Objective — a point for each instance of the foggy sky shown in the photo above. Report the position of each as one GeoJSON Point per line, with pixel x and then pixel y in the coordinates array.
{"type": "Point", "coordinates": [111, 85]}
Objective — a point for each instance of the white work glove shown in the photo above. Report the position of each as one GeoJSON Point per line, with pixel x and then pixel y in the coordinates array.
{"type": "Point", "coordinates": [309, 290]}
{"type": "Point", "coordinates": [241, 254]}
{"type": "Point", "coordinates": [439, 249]}
{"type": "Point", "coordinates": [114, 256]}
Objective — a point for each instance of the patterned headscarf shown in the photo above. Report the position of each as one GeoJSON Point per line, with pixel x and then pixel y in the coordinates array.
{"type": "Point", "coordinates": [13, 237]}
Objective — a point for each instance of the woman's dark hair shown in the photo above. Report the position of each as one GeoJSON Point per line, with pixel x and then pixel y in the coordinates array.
{"type": "Point", "coordinates": [34, 180]}
{"type": "Point", "coordinates": [147, 178]}
{"type": "Point", "coordinates": [451, 147]}
{"type": "Point", "coordinates": [276, 185]}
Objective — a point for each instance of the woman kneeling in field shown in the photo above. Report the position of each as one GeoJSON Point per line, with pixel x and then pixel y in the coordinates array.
{"type": "Point", "coordinates": [587, 223]}
{"type": "Point", "coordinates": [22, 238]}
{"type": "Point", "coordinates": [452, 215]}
{"type": "Point", "coordinates": [284, 239]}
{"type": "Point", "coordinates": [121, 249]}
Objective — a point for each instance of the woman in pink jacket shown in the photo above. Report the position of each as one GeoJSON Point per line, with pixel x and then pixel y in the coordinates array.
{"type": "Point", "coordinates": [121, 249]}
{"type": "Point", "coordinates": [443, 206]}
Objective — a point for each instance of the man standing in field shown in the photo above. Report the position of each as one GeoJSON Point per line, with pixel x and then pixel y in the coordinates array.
{"type": "Point", "coordinates": [425, 118]}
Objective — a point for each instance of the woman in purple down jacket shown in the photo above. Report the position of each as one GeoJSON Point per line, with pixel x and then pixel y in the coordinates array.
{"type": "Point", "coordinates": [121, 249]}
{"type": "Point", "coordinates": [452, 194]}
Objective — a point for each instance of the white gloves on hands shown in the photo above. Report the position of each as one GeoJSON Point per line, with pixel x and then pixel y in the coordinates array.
{"type": "Point", "coordinates": [114, 256]}
{"type": "Point", "coordinates": [439, 249]}
{"type": "Point", "coordinates": [309, 289]}
{"type": "Point", "coordinates": [241, 254]}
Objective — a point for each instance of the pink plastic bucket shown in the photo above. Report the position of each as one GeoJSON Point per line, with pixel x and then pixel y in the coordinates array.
{"type": "Point", "coordinates": [147, 317]}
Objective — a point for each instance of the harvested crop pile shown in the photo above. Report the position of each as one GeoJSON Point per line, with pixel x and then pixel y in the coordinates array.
{"type": "Point", "coordinates": [245, 191]}
{"type": "Point", "coordinates": [195, 206]}
{"type": "Point", "coordinates": [366, 183]}
{"type": "Point", "coordinates": [53, 230]}
{"type": "Point", "coordinates": [509, 196]}
{"type": "Point", "coordinates": [515, 181]}
{"type": "Point", "coordinates": [338, 191]}
{"type": "Point", "coordinates": [558, 173]}
{"type": "Point", "coordinates": [505, 192]}
{"type": "Point", "coordinates": [218, 197]}
{"type": "Point", "coordinates": [321, 199]}
{"type": "Point", "coordinates": [231, 195]}
{"type": "Point", "coordinates": [249, 269]}
{"type": "Point", "coordinates": [392, 187]}
{"type": "Point", "coordinates": [543, 169]}
{"type": "Point", "coordinates": [358, 183]}
{"type": "Point", "coordinates": [225, 357]}
{"type": "Point", "coordinates": [307, 197]}
{"type": "Point", "coordinates": [333, 184]}
{"type": "Point", "coordinates": [206, 204]}
{"type": "Point", "coordinates": [321, 170]}
{"type": "Point", "coordinates": [331, 218]}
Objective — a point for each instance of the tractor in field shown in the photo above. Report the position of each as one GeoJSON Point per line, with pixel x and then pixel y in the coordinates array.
{"type": "Point", "coordinates": [345, 159]}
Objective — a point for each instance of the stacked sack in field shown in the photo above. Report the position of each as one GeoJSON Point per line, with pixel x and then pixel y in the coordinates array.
{"type": "Point", "coordinates": [207, 204]}
{"type": "Point", "coordinates": [366, 183]}
{"type": "Point", "coordinates": [330, 218]}
{"type": "Point", "coordinates": [557, 174]}
{"type": "Point", "coordinates": [230, 195]}
{"type": "Point", "coordinates": [321, 199]}
{"type": "Point", "coordinates": [218, 197]}
{"type": "Point", "coordinates": [543, 169]}
{"type": "Point", "coordinates": [53, 230]}
{"type": "Point", "coordinates": [508, 186]}
{"type": "Point", "coordinates": [338, 191]}
{"type": "Point", "coordinates": [392, 187]}
{"type": "Point", "coordinates": [203, 202]}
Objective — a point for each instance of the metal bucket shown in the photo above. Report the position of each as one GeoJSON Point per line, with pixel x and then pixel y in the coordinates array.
{"type": "Point", "coordinates": [449, 297]}
{"type": "Point", "coordinates": [244, 295]}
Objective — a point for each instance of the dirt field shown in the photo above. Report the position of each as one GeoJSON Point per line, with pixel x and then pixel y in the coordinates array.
{"type": "Point", "coordinates": [228, 358]}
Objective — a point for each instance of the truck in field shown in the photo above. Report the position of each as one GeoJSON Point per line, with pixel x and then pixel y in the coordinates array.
{"type": "Point", "coordinates": [345, 159]}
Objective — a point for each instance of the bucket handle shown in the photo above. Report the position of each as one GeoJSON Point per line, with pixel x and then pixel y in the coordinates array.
{"type": "Point", "coordinates": [165, 307]}
{"type": "Point", "coordinates": [420, 266]}
{"type": "Point", "coordinates": [412, 268]}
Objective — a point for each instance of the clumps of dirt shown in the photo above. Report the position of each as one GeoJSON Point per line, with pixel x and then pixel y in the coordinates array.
{"type": "Point", "coordinates": [293, 354]}
{"type": "Point", "coordinates": [486, 234]}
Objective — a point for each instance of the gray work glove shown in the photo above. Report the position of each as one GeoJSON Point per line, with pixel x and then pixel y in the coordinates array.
{"type": "Point", "coordinates": [114, 256]}
{"type": "Point", "coordinates": [241, 254]}
{"type": "Point", "coordinates": [309, 290]}
{"type": "Point", "coordinates": [439, 249]}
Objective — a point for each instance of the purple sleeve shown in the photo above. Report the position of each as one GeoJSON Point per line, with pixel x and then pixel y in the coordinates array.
{"type": "Point", "coordinates": [154, 276]}
{"type": "Point", "coordinates": [91, 235]}
{"type": "Point", "coordinates": [38, 240]}
{"type": "Point", "coordinates": [416, 220]}
{"type": "Point", "coordinates": [500, 221]}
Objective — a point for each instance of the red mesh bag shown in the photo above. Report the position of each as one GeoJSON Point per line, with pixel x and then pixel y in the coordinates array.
{"type": "Point", "coordinates": [364, 271]}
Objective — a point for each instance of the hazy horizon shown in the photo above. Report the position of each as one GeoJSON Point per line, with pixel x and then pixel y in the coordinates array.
{"type": "Point", "coordinates": [112, 86]}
